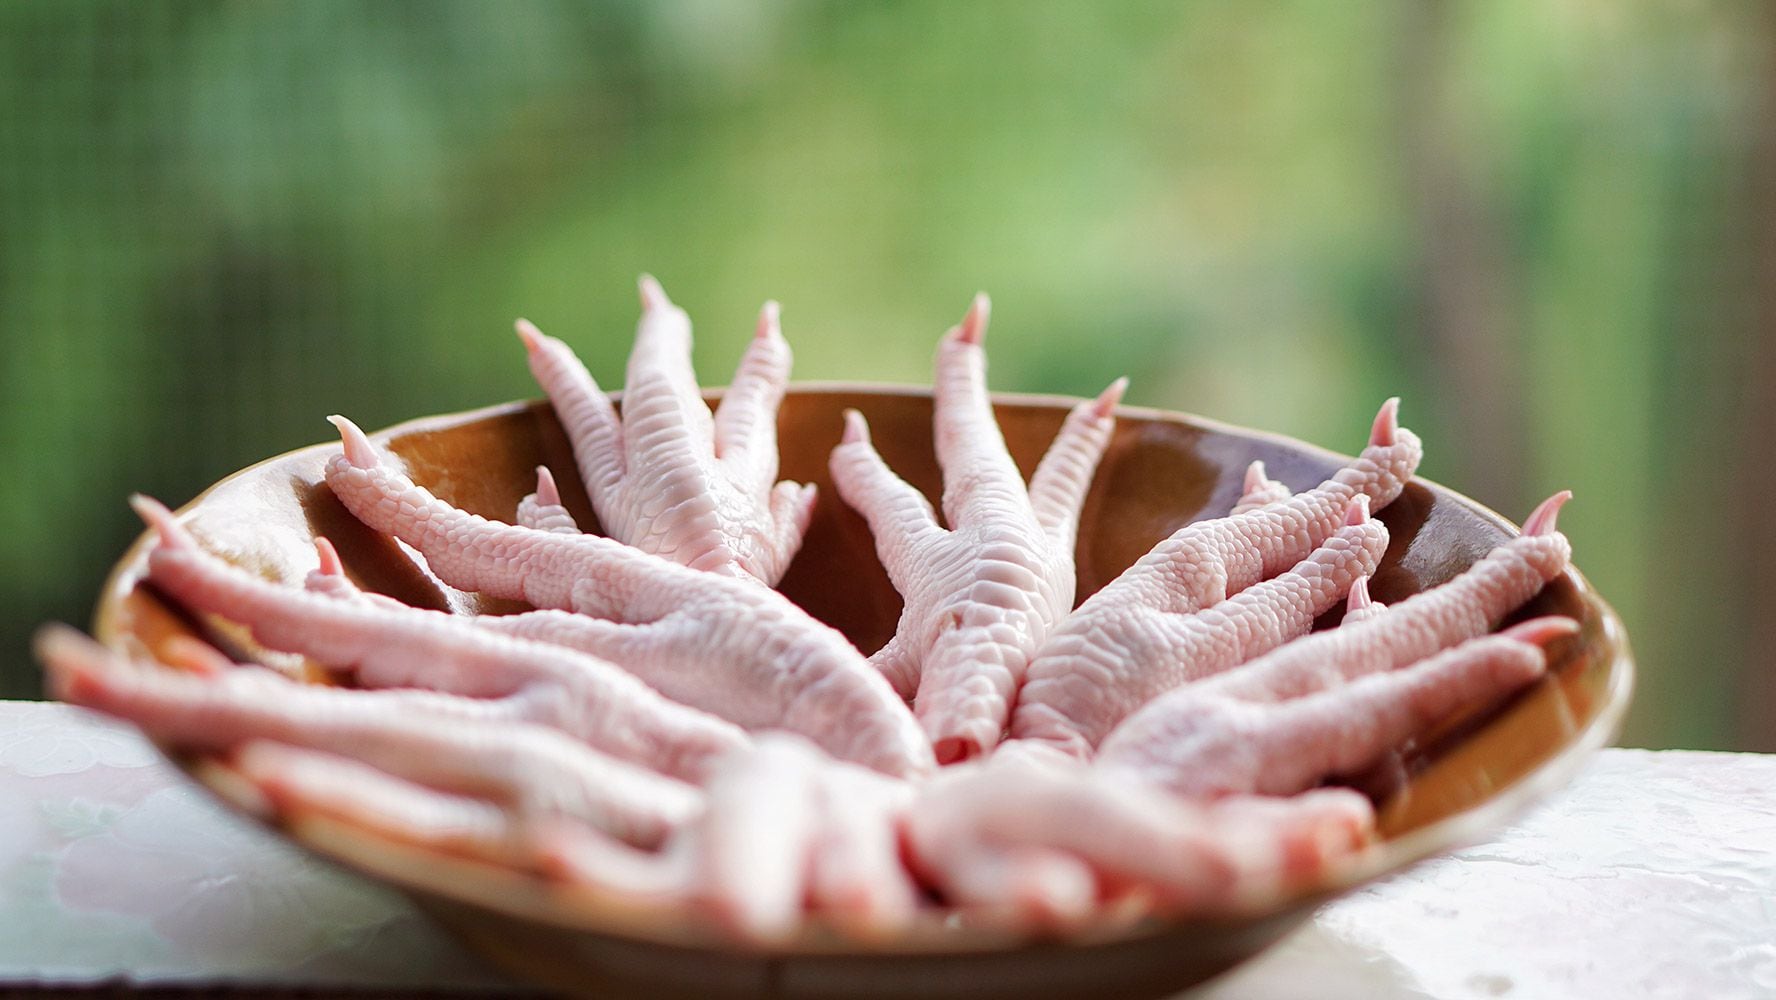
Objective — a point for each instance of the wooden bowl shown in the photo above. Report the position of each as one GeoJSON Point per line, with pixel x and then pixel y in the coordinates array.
{"type": "Point", "coordinates": [1162, 470]}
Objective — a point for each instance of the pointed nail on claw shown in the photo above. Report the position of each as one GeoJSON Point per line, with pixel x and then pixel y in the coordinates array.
{"type": "Point", "coordinates": [1541, 520]}
{"type": "Point", "coordinates": [358, 450]}
{"type": "Point", "coordinates": [548, 494]}
{"type": "Point", "coordinates": [1541, 631]}
{"type": "Point", "coordinates": [156, 515]}
{"type": "Point", "coordinates": [532, 337]}
{"type": "Point", "coordinates": [652, 295]}
{"type": "Point", "coordinates": [1387, 422]}
{"type": "Point", "coordinates": [974, 324]}
{"type": "Point", "coordinates": [1112, 395]}
{"type": "Point", "coordinates": [329, 556]}
{"type": "Point", "coordinates": [1256, 477]}
{"type": "Point", "coordinates": [1358, 511]}
{"type": "Point", "coordinates": [855, 428]}
{"type": "Point", "coordinates": [1359, 595]}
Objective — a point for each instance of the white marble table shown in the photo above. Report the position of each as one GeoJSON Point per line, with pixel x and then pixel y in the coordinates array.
{"type": "Point", "coordinates": [1654, 875]}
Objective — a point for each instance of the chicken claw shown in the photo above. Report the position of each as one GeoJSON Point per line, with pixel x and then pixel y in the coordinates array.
{"type": "Point", "coordinates": [666, 477]}
{"type": "Point", "coordinates": [386, 645]}
{"type": "Point", "coordinates": [779, 831]}
{"type": "Point", "coordinates": [543, 509]}
{"type": "Point", "coordinates": [1047, 843]}
{"type": "Point", "coordinates": [981, 596]}
{"type": "Point", "coordinates": [1213, 595]}
{"type": "Point", "coordinates": [726, 644]}
{"type": "Point", "coordinates": [1336, 702]}
{"type": "Point", "coordinates": [1259, 490]}
{"type": "Point", "coordinates": [787, 833]}
{"type": "Point", "coordinates": [457, 747]}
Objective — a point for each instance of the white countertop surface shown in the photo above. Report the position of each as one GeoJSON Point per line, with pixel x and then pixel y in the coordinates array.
{"type": "Point", "coordinates": [1653, 875]}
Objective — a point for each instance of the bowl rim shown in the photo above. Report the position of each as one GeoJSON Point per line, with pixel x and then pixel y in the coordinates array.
{"type": "Point", "coordinates": [424, 872]}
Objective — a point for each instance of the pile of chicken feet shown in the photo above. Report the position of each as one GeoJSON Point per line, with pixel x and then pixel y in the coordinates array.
{"type": "Point", "coordinates": [669, 730]}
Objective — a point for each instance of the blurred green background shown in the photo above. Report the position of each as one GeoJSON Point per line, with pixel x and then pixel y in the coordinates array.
{"type": "Point", "coordinates": [1549, 224]}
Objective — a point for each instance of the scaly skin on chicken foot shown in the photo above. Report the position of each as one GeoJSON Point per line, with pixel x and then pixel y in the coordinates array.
{"type": "Point", "coordinates": [664, 619]}
{"type": "Point", "coordinates": [787, 832]}
{"type": "Point", "coordinates": [543, 510]}
{"type": "Point", "coordinates": [790, 830]}
{"type": "Point", "coordinates": [1208, 561]}
{"type": "Point", "coordinates": [1259, 490]}
{"type": "Point", "coordinates": [1085, 681]}
{"type": "Point", "coordinates": [1044, 842]}
{"type": "Point", "coordinates": [1338, 701]}
{"type": "Point", "coordinates": [981, 595]}
{"type": "Point", "coordinates": [386, 645]}
{"type": "Point", "coordinates": [1120, 647]}
{"type": "Point", "coordinates": [445, 742]}
{"type": "Point", "coordinates": [1358, 605]}
{"type": "Point", "coordinates": [666, 477]}
{"type": "Point", "coordinates": [780, 831]}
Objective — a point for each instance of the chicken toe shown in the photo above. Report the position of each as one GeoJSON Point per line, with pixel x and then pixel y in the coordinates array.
{"type": "Point", "coordinates": [982, 593]}
{"type": "Point", "coordinates": [666, 476]}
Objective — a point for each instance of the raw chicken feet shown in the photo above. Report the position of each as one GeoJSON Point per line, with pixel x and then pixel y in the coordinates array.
{"type": "Point", "coordinates": [386, 645]}
{"type": "Point", "coordinates": [1046, 843]}
{"type": "Point", "coordinates": [1213, 595]}
{"type": "Point", "coordinates": [721, 642]}
{"type": "Point", "coordinates": [779, 830]}
{"type": "Point", "coordinates": [980, 597]}
{"type": "Point", "coordinates": [454, 746]}
{"type": "Point", "coordinates": [665, 736]}
{"type": "Point", "coordinates": [1337, 701]}
{"type": "Point", "coordinates": [666, 477]}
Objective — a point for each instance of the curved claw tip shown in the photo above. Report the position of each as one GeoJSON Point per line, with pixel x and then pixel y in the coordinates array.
{"type": "Point", "coordinates": [156, 515]}
{"type": "Point", "coordinates": [770, 322]}
{"type": "Point", "coordinates": [1112, 395]}
{"type": "Point", "coordinates": [1541, 631]}
{"type": "Point", "coordinates": [856, 428]}
{"type": "Point", "coordinates": [1358, 510]}
{"type": "Point", "coordinates": [1359, 595]}
{"type": "Point", "coordinates": [652, 295]}
{"type": "Point", "coordinates": [548, 494]}
{"type": "Point", "coordinates": [329, 557]}
{"type": "Point", "coordinates": [358, 450]}
{"type": "Point", "coordinates": [527, 332]}
{"type": "Point", "coordinates": [1541, 520]}
{"type": "Point", "coordinates": [974, 324]}
{"type": "Point", "coordinates": [1387, 424]}
{"type": "Point", "coordinates": [1256, 477]}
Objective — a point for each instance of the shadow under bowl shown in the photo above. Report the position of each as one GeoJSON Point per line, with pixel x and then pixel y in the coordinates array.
{"type": "Point", "coordinates": [1161, 471]}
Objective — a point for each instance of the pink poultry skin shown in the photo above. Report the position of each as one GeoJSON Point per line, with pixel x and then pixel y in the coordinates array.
{"type": "Point", "coordinates": [666, 477]}
{"type": "Point", "coordinates": [478, 758]}
{"type": "Point", "coordinates": [1213, 595]}
{"type": "Point", "coordinates": [629, 737]}
{"type": "Point", "coordinates": [396, 650]}
{"type": "Point", "coordinates": [981, 596]}
{"type": "Point", "coordinates": [665, 621]}
{"type": "Point", "coordinates": [1333, 702]}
